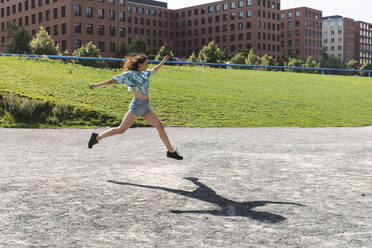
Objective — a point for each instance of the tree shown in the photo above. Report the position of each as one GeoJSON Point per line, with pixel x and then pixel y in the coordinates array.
{"type": "Point", "coordinates": [294, 62]}
{"type": "Point", "coordinates": [352, 64]}
{"type": "Point", "coordinates": [165, 50]}
{"type": "Point", "coordinates": [252, 59]}
{"type": "Point", "coordinates": [139, 46]}
{"type": "Point", "coordinates": [18, 39]}
{"type": "Point", "coordinates": [225, 56]}
{"type": "Point", "coordinates": [238, 59]}
{"type": "Point", "coordinates": [120, 52]}
{"type": "Point", "coordinates": [268, 61]}
{"type": "Point", "coordinates": [333, 62]}
{"type": "Point", "coordinates": [193, 58]}
{"type": "Point", "coordinates": [244, 52]}
{"type": "Point", "coordinates": [88, 50]}
{"type": "Point", "coordinates": [311, 63]}
{"type": "Point", "coordinates": [42, 43]}
{"type": "Point", "coordinates": [283, 59]}
{"type": "Point", "coordinates": [210, 53]}
{"type": "Point", "coordinates": [366, 66]}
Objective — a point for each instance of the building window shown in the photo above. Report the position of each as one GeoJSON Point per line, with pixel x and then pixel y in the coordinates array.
{"type": "Point", "coordinates": [101, 13]}
{"type": "Point", "coordinates": [112, 31]}
{"type": "Point", "coordinates": [63, 30]}
{"type": "Point", "coordinates": [55, 29]}
{"type": "Point", "coordinates": [101, 29]}
{"type": "Point", "coordinates": [90, 29]}
{"type": "Point", "coordinates": [77, 10]}
{"type": "Point", "coordinates": [112, 47]}
{"type": "Point", "coordinates": [122, 32]}
{"type": "Point", "coordinates": [63, 11]}
{"type": "Point", "coordinates": [112, 15]}
{"type": "Point", "coordinates": [77, 27]}
{"type": "Point", "coordinates": [89, 11]}
{"type": "Point", "coordinates": [101, 46]}
{"type": "Point", "coordinates": [122, 16]}
{"type": "Point", "coordinates": [77, 44]}
{"type": "Point", "coordinates": [64, 45]}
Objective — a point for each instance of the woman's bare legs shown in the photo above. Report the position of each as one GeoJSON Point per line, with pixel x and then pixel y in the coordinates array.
{"type": "Point", "coordinates": [127, 122]}
{"type": "Point", "coordinates": [153, 120]}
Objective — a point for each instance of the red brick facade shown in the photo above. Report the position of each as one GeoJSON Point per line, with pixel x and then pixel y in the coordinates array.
{"type": "Point", "coordinates": [233, 24]}
{"type": "Point", "coordinates": [301, 33]}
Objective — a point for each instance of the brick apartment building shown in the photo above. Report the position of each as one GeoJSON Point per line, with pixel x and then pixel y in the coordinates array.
{"type": "Point", "coordinates": [339, 37]}
{"type": "Point", "coordinates": [301, 33]}
{"type": "Point", "coordinates": [106, 23]}
{"type": "Point", "coordinates": [233, 24]}
{"type": "Point", "coordinates": [363, 42]}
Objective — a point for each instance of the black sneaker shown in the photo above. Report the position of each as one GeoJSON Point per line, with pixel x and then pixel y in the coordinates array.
{"type": "Point", "coordinates": [174, 155]}
{"type": "Point", "coordinates": [93, 140]}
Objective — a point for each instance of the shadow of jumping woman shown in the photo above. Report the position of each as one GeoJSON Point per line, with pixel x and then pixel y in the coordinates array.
{"type": "Point", "coordinates": [227, 207]}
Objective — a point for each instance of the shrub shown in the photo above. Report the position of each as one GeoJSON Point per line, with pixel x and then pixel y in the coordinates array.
{"type": "Point", "coordinates": [18, 39]}
{"type": "Point", "coordinates": [366, 67]}
{"type": "Point", "coordinates": [139, 46]}
{"type": "Point", "coordinates": [164, 51]}
{"type": "Point", "coordinates": [252, 59]}
{"type": "Point", "coordinates": [311, 63]}
{"type": "Point", "coordinates": [25, 109]}
{"type": "Point", "coordinates": [88, 50]}
{"type": "Point", "coordinates": [192, 58]}
{"type": "Point", "coordinates": [210, 53]}
{"type": "Point", "coordinates": [43, 44]}
{"type": "Point", "coordinates": [120, 53]}
{"type": "Point", "coordinates": [238, 59]}
{"type": "Point", "coordinates": [268, 61]}
{"type": "Point", "coordinates": [294, 62]}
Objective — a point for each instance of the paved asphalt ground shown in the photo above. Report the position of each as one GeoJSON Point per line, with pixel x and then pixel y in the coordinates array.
{"type": "Point", "coordinates": [236, 187]}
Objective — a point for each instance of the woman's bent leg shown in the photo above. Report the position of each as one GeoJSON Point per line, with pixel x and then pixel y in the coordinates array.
{"type": "Point", "coordinates": [127, 122]}
{"type": "Point", "coordinates": [153, 120]}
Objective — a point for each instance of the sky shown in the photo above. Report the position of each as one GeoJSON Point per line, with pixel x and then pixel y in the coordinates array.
{"type": "Point", "coordinates": [359, 10]}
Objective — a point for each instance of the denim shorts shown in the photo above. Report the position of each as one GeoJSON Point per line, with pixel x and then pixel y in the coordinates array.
{"type": "Point", "coordinates": [139, 106]}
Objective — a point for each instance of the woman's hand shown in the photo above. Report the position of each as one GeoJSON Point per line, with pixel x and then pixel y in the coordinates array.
{"type": "Point", "coordinates": [92, 86]}
{"type": "Point", "coordinates": [165, 59]}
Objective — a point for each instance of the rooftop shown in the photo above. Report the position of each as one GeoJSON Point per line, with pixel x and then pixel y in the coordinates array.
{"type": "Point", "coordinates": [151, 2]}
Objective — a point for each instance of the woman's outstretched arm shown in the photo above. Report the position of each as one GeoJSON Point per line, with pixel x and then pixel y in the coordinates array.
{"type": "Point", "coordinates": [156, 68]}
{"type": "Point", "coordinates": [108, 82]}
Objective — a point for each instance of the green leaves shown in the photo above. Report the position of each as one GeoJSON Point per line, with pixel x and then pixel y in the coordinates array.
{"type": "Point", "coordinates": [43, 44]}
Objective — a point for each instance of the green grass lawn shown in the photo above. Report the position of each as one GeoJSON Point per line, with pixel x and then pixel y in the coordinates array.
{"type": "Point", "coordinates": [202, 97]}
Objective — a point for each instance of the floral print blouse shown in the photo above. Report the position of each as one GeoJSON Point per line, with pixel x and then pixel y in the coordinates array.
{"type": "Point", "coordinates": [136, 80]}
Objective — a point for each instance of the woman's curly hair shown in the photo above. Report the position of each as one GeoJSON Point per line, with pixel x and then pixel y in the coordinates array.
{"type": "Point", "coordinates": [133, 61]}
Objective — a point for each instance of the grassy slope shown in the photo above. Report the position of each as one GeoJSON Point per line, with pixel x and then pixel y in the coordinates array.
{"type": "Point", "coordinates": [194, 96]}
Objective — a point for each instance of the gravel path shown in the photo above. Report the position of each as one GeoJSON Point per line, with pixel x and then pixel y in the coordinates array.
{"type": "Point", "coordinates": [236, 187]}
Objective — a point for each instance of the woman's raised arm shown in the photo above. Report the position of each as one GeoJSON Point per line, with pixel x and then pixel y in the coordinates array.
{"type": "Point", "coordinates": [156, 68]}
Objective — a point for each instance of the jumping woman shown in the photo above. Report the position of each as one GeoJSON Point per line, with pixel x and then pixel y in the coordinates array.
{"type": "Point", "coordinates": [136, 75]}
